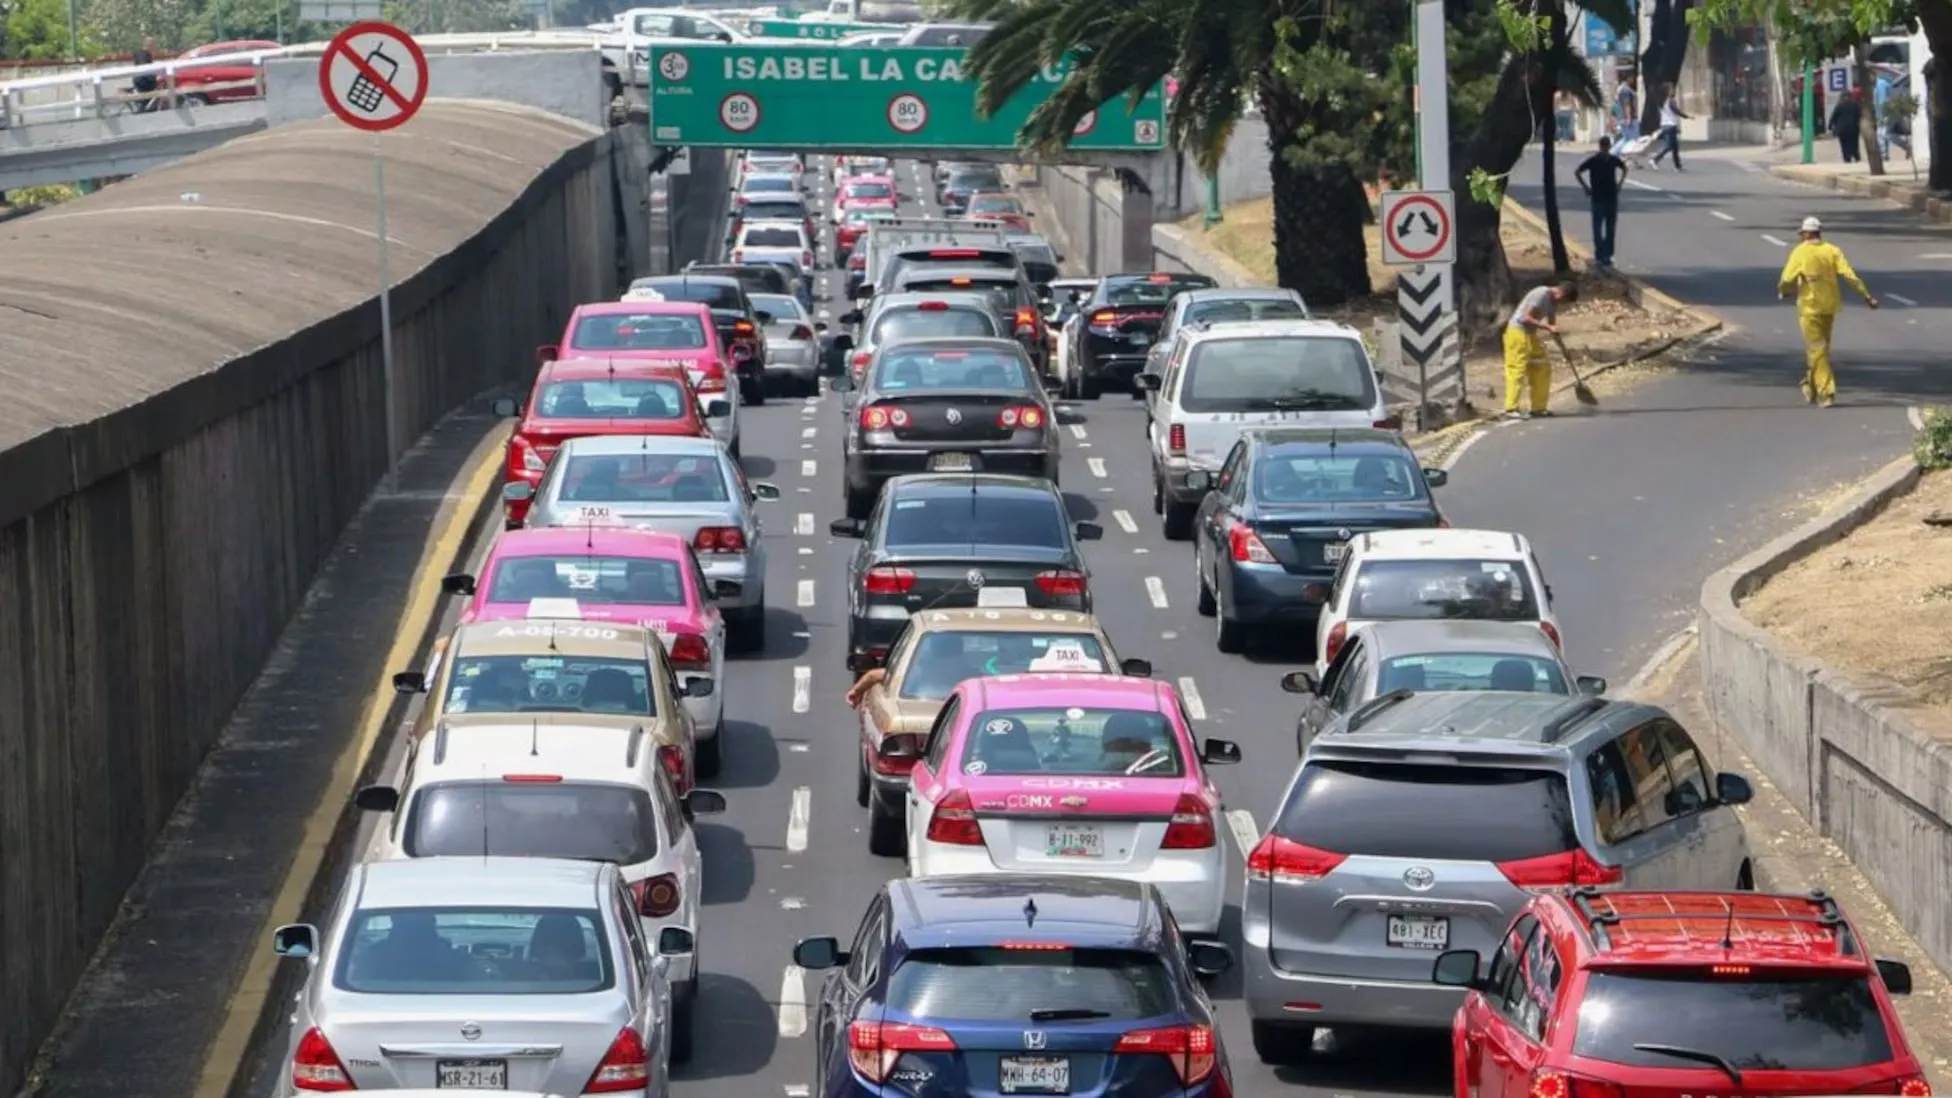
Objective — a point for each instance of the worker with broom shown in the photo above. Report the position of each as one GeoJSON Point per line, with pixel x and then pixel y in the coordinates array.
{"type": "Point", "coordinates": [1811, 274]}
{"type": "Point", "coordinates": [1527, 371]}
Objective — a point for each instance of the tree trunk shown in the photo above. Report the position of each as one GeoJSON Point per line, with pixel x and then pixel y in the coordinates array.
{"type": "Point", "coordinates": [1860, 64]}
{"type": "Point", "coordinates": [1548, 149]}
{"type": "Point", "coordinates": [1935, 19]}
{"type": "Point", "coordinates": [1319, 211]}
{"type": "Point", "coordinates": [1483, 274]}
{"type": "Point", "coordinates": [1660, 63]}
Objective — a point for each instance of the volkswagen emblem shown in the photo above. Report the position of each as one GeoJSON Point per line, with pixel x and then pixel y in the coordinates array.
{"type": "Point", "coordinates": [1343, 534]}
{"type": "Point", "coordinates": [1034, 1038]}
{"type": "Point", "coordinates": [470, 1031]}
{"type": "Point", "coordinates": [953, 416]}
{"type": "Point", "coordinates": [974, 578]}
{"type": "Point", "coordinates": [1419, 879]}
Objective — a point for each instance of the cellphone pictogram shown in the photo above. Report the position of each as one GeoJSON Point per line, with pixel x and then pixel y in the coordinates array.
{"type": "Point", "coordinates": [364, 93]}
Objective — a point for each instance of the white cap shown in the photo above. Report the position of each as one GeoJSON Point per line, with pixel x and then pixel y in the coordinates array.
{"type": "Point", "coordinates": [1812, 225]}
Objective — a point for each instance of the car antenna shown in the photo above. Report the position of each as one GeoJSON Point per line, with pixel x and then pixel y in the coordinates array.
{"type": "Point", "coordinates": [552, 640]}
{"type": "Point", "coordinates": [484, 814]}
{"type": "Point", "coordinates": [1030, 912]}
{"type": "Point", "coordinates": [535, 736]}
{"type": "Point", "coordinates": [1728, 927]}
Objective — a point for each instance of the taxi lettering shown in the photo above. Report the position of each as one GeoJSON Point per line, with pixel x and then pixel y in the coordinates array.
{"type": "Point", "coordinates": [1074, 783]}
{"type": "Point", "coordinates": [1029, 800]}
{"type": "Point", "coordinates": [588, 632]}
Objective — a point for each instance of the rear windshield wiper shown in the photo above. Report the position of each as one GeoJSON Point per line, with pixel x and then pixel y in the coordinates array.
{"type": "Point", "coordinates": [1314, 398]}
{"type": "Point", "coordinates": [1695, 1054]}
{"type": "Point", "coordinates": [1068, 1014]}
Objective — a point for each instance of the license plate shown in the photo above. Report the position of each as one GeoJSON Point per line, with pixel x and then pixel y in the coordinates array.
{"type": "Point", "coordinates": [1419, 932]}
{"type": "Point", "coordinates": [471, 1074]}
{"type": "Point", "coordinates": [949, 463]}
{"type": "Point", "coordinates": [1036, 1075]}
{"type": "Point", "coordinates": [1334, 550]}
{"type": "Point", "coordinates": [1074, 841]}
{"type": "Point", "coordinates": [1139, 339]}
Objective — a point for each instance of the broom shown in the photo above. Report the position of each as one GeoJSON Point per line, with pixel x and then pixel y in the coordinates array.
{"type": "Point", "coordinates": [1581, 392]}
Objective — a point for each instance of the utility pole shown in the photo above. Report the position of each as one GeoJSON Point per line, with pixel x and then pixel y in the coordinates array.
{"type": "Point", "coordinates": [1809, 111]}
{"type": "Point", "coordinates": [1426, 292]}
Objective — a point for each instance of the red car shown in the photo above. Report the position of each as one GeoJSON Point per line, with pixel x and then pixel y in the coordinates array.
{"type": "Point", "coordinates": [997, 206]}
{"type": "Point", "coordinates": [866, 192]}
{"type": "Point", "coordinates": [224, 82]}
{"type": "Point", "coordinates": [1679, 995]}
{"type": "Point", "coordinates": [576, 397]}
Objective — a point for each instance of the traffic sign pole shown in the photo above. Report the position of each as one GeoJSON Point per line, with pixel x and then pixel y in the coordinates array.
{"type": "Point", "coordinates": [394, 447]}
{"type": "Point", "coordinates": [1433, 174]}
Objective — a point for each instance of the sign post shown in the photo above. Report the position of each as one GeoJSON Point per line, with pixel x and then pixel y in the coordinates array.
{"type": "Point", "coordinates": [374, 77]}
{"type": "Point", "coordinates": [1420, 227]}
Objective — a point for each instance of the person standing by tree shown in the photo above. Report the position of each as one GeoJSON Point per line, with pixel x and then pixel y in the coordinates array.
{"type": "Point", "coordinates": [1600, 177]}
{"type": "Point", "coordinates": [145, 82]}
{"type": "Point", "coordinates": [1670, 137]}
{"type": "Point", "coordinates": [1847, 122]}
{"type": "Point", "coordinates": [1812, 273]}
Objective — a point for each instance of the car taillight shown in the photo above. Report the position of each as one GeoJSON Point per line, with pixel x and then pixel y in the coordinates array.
{"type": "Point", "coordinates": [1193, 1050]}
{"type": "Point", "coordinates": [1277, 859]}
{"type": "Point", "coordinates": [657, 897]}
{"type": "Point", "coordinates": [954, 821]}
{"type": "Point", "coordinates": [1443, 524]}
{"type": "Point", "coordinates": [1026, 320]}
{"type": "Point", "coordinates": [1061, 583]}
{"type": "Point", "coordinates": [1554, 871]}
{"type": "Point", "coordinates": [673, 762]}
{"type": "Point", "coordinates": [1103, 318]}
{"type": "Point", "coordinates": [738, 255]}
{"type": "Point", "coordinates": [1551, 632]}
{"type": "Point", "coordinates": [878, 418]}
{"type": "Point", "coordinates": [806, 259]}
{"type": "Point", "coordinates": [711, 379]}
{"type": "Point", "coordinates": [1022, 415]}
{"type": "Point", "coordinates": [1337, 633]}
{"type": "Point", "coordinates": [859, 362]}
{"type": "Point", "coordinates": [802, 333]}
{"type": "Point", "coordinates": [1913, 1086]}
{"type": "Point", "coordinates": [1191, 827]}
{"type": "Point", "coordinates": [1390, 424]}
{"type": "Point", "coordinates": [627, 1066]}
{"type": "Point", "coordinates": [315, 1066]}
{"type": "Point", "coordinates": [1246, 546]}
{"type": "Point", "coordinates": [741, 200]}
{"type": "Point", "coordinates": [895, 767]}
{"type": "Point", "coordinates": [1552, 1084]}
{"type": "Point", "coordinates": [719, 539]}
{"type": "Point", "coordinates": [874, 1048]}
{"type": "Point", "coordinates": [888, 581]}
{"type": "Point", "coordinates": [743, 329]}
{"type": "Point", "coordinates": [689, 652]}
{"type": "Point", "coordinates": [858, 259]}
{"type": "Point", "coordinates": [1176, 438]}
{"type": "Point", "coordinates": [527, 459]}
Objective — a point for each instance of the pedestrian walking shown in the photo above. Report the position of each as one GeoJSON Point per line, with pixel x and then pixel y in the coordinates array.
{"type": "Point", "coordinates": [1847, 123]}
{"type": "Point", "coordinates": [1815, 265]}
{"type": "Point", "coordinates": [1563, 110]}
{"type": "Point", "coordinates": [1891, 130]}
{"type": "Point", "coordinates": [145, 82]}
{"type": "Point", "coordinates": [1670, 135]}
{"type": "Point", "coordinates": [1527, 371]}
{"type": "Point", "coordinates": [1626, 109]}
{"type": "Point", "coordinates": [1600, 177]}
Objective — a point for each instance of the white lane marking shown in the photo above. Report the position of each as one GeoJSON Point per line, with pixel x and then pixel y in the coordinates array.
{"type": "Point", "coordinates": [793, 1003]}
{"type": "Point", "coordinates": [1901, 299]}
{"type": "Point", "coordinates": [1642, 186]}
{"type": "Point", "coordinates": [798, 818]}
{"type": "Point", "coordinates": [808, 466]}
{"type": "Point", "coordinates": [802, 689]}
{"type": "Point", "coordinates": [1097, 466]}
{"type": "Point", "coordinates": [1189, 692]}
{"type": "Point", "coordinates": [1778, 242]}
{"type": "Point", "coordinates": [798, 1090]}
{"type": "Point", "coordinates": [1721, 215]}
{"type": "Point", "coordinates": [807, 432]}
{"type": "Point", "coordinates": [809, 402]}
{"type": "Point", "coordinates": [1936, 255]}
{"type": "Point", "coordinates": [1125, 521]}
{"type": "Point", "coordinates": [803, 524]}
{"type": "Point", "coordinates": [1156, 591]}
{"type": "Point", "coordinates": [1246, 833]}
{"type": "Point", "coordinates": [1917, 417]}
{"type": "Point", "coordinates": [1458, 453]}
{"type": "Point", "coordinates": [1655, 662]}
{"type": "Point", "coordinates": [1077, 431]}
{"type": "Point", "coordinates": [804, 596]}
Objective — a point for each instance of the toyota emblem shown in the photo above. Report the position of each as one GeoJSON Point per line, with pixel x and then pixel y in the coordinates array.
{"type": "Point", "coordinates": [974, 578]}
{"type": "Point", "coordinates": [953, 416]}
{"type": "Point", "coordinates": [1419, 878]}
{"type": "Point", "coordinates": [470, 1031]}
{"type": "Point", "coordinates": [1034, 1039]}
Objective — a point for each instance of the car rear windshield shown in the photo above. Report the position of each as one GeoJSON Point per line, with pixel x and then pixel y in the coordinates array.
{"type": "Point", "coordinates": [915, 323]}
{"type": "Point", "coordinates": [995, 206]}
{"type": "Point", "coordinates": [1238, 312]}
{"type": "Point", "coordinates": [774, 183]}
{"type": "Point", "coordinates": [626, 581]}
{"type": "Point", "coordinates": [475, 951]}
{"type": "Point", "coordinates": [1150, 291]}
{"type": "Point", "coordinates": [645, 477]}
{"type": "Point", "coordinates": [639, 332]}
{"type": "Point", "coordinates": [946, 657]}
{"type": "Point", "coordinates": [1478, 590]}
{"type": "Point", "coordinates": [783, 308]}
{"type": "Point", "coordinates": [771, 238]}
{"type": "Point", "coordinates": [996, 984]}
{"type": "Point", "coordinates": [1134, 743]}
{"type": "Point", "coordinates": [716, 295]}
{"type": "Point", "coordinates": [976, 518]}
{"type": "Point", "coordinates": [657, 399]}
{"type": "Point", "coordinates": [1795, 1022]}
{"type": "Point", "coordinates": [971, 182]}
{"type": "Point", "coordinates": [1472, 671]}
{"type": "Point", "coordinates": [1327, 477]}
{"type": "Point", "coordinates": [953, 284]}
{"type": "Point", "coordinates": [870, 190]}
{"type": "Point", "coordinates": [1461, 813]}
{"type": "Point", "coordinates": [1278, 373]}
{"type": "Point", "coordinates": [582, 820]}
{"type": "Point", "coordinates": [550, 684]}
{"type": "Point", "coordinates": [773, 210]}
{"type": "Point", "coordinates": [906, 370]}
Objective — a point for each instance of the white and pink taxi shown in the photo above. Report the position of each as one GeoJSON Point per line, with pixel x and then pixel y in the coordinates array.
{"type": "Point", "coordinates": [611, 573]}
{"type": "Point", "coordinates": [1091, 774]}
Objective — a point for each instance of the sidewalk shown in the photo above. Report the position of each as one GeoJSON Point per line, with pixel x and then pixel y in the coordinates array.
{"type": "Point", "coordinates": [1903, 180]}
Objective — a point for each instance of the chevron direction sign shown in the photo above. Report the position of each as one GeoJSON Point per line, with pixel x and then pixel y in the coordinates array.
{"type": "Point", "coordinates": [1426, 325]}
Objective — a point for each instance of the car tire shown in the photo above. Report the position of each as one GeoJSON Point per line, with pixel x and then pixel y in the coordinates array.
{"type": "Point", "coordinates": [1158, 493]}
{"type": "Point", "coordinates": [863, 785]}
{"type": "Point", "coordinates": [1176, 519]}
{"type": "Point", "coordinates": [681, 1028]}
{"type": "Point", "coordinates": [886, 838]}
{"type": "Point", "coordinates": [710, 756]}
{"type": "Point", "coordinates": [755, 395]}
{"type": "Point", "coordinates": [1282, 1046]}
{"type": "Point", "coordinates": [1229, 636]}
{"type": "Point", "coordinates": [1205, 602]}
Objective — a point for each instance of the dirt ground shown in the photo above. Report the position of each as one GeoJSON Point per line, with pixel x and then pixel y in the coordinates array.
{"type": "Point", "coordinates": [1878, 602]}
{"type": "Point", "coordinates": [1604, 326]}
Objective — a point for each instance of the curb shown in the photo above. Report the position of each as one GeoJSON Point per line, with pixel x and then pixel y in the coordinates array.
{"type": "Point", "coordinates": [1911, 194]}
{"type": "Point", "coordinates": [1638, 292]}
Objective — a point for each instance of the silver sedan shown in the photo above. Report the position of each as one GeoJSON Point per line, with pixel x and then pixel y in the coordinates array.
{"type": "Point", "coordinates": [792, 346]}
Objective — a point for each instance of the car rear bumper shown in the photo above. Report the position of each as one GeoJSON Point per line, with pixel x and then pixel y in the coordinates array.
{"type": "Point", "coordinates": [1193, 882]}
{"type": "Point", "coordinates": [1174, 475]}
{"type": "Point", "coordinates": [1268, 594]}
{"type": "Point", "coordinates": [705, 712]}
{"type": "Point", "coordinates": [1119, 366]}
{"type": "Point", "coordinates": [867, 469]}
{"type": "Point", "coordinates": [876, 627]}
{"type": "Point", "coordinates": [736, 568]}
{"type": "Point", "coordinates": [798, 361]}
{"type": "Point", "coordinates": [1275, 995]}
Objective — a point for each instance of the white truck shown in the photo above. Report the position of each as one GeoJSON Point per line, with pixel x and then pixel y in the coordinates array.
{"type": "Point", "coordinates": [627, 39]}
{"type": "Point", "coordinates": [900, 234]}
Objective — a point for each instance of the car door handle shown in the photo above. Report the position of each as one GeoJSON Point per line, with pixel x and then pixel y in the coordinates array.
{"type": "Point", "coordinates": [1497, 1054]}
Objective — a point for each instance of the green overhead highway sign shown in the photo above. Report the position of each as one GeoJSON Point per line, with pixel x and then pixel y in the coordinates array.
{"type": "Point", "coordinates": [813, 32]}
{"type": "Point", "coordinates": [816, 96]}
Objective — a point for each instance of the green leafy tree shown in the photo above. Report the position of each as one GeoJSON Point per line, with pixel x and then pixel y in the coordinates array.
{"type": "Point", "coordinates": [38, 30]}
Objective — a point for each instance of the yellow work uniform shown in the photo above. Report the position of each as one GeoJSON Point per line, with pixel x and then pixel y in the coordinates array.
{"type": "Point", "coordinates": [1812, 272]}
{"type": "Point", "coordinates": [1527, 369]}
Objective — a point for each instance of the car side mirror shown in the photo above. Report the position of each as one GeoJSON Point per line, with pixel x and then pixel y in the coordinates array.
{"type": "Point", "coordinates": [765, 490]}
{"type": "Point", "coordinates": [1199, 480]}
{"type": "Point", "coordinates": [700, 687]}
{"type": "Point", "coordinates": [460, 583]}
{"type": "Point", "coordinates": [675, 941]}
{"type": "Point", "coordinates": [1209, 959]}
{"type": "Point", "coordinates": [377, 798]}
{"type": "Point", "coordinates": [1436, 478]}
{"type": "Point", "coordinates": [295, 940]}
{"type": "Point", "coordinates": [1895, 974]}
{"type": "Point", "coordinates": [1218, 752]}
{"type": "Point", "coordinates": [1136, 668]}
{"type": "Point", "coordinates": [717, 409]}
{"type": "Point", "coordinates": [860, 663]}
{"type": "Point", "coordinates": [505, 408]}
{"type": "Point", "coordinates": [814, 954]}
{"type": "Point", "coordinates": [410, 682]}
{"type": "Point", "coordinates": [1300, 682]}
{"type": "Point", "coordinates": [727, 589]}
{"type": "Point", "coordinates": [847, 528]}
{"type": "Point", "coordinates": [762, 316]}
{"type": "Point", "coordinates": [1733, 789]}
{"type": "Point", "coordinates": [1149, 382]}
{"type": "Point", "coordinates": [704, 802]}
{"type": "Point", "coordinates": [899, 747]}
{"type": "Point", "coordinates": [547, 353]}
{"type": "Point", "coordinates": [851, 316]}
{"type": "Point", "coordinates": [518, 491]}
{"type": "Point", "coordinates": [1457, 968]}
{"type": "Point", "coordinates": [1088, 531]}
{"type": "Point", "coordinates": [1590, 684]}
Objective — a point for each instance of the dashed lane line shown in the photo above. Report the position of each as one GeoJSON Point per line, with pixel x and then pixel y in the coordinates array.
{"type": "Point", "coordinates": [808, 431]}
{"type": "Point", "coordinates": [1637, 184]}
{"type": "Point", "coordinates": [1077, 431]}
{"type": "Point", "coordinates": [1097, 466]}
{"type": "Point", "coordinates": [804, 596]}
{"type": "Point", "coordinates": [1902, 300]}
{"type": "Point", "coordinates": [798, 818]}
{"type": "Point", "coordinates": [1125, 521]}
{"type": "Point", "coordinates": [1155, 590]}
{"type": "Point", "coordinates": [1189, 692]}
{"type": "Point", "coordinates": [1246, 833]}
{"type": "Point", "coordinates": [803, 524]}
{"type": "Point", "coordinates": [808, 466]}
{"type": "Point", "coordinates": [1776, 240]}
{"type": "Point", "coordinates": [802, 689]}
{"type": "Point", "coordinates": [793, 1002]}
{"type": "Point", "coordinates": [1720, 215]}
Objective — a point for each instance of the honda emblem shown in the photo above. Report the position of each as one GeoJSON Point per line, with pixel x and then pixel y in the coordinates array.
{"type": "Point", "coordinates": [1035, 1039]}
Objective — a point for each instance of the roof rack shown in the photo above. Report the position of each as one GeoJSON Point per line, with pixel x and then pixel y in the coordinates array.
{"type": "Point", "coordinates": [1374, 706]}
{"type": "Point", "coordinates": [1829, 915]}
{"type": "Point", "coordinates": [1569, 716]}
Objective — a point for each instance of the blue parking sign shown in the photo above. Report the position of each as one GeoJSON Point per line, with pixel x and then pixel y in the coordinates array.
{"type": "Point", "coordinates": [1839, 78]}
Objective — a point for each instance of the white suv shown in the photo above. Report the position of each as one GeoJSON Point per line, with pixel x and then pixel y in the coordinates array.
{"type": "Point", "coordinates": [1414, 575]}
{"type": "Point", "coordinates": [1224, 379]}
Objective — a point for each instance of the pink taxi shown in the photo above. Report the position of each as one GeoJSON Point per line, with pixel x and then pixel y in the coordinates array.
{"type": "Point", "coordinates": [865, 192]}
{"type": "Point", "coordinates": [1092, 774]}
{"type": "Point", "coordinates": [670, 333]}
{"type": "Point", "coordinates": [609, 573]}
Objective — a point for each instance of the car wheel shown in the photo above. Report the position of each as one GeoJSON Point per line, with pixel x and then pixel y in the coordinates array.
{"type": "Point", "coordinates": [681, 1029]}
{"type": "Point", "coordinates": [1089, 389]}
{"type": "Point", "coordinates": [1176, 519]}
{"type": "Point", "coordinates": [1158, 493]}
{"type": "Point", "coordinates": [885, 834]}
{"type": "Point", "coordinates": [1229, 636]}
{"type": "Point", "coordinates": [710, 755]}
{"type": "Point", "coordinates": [863, 785]}
{"type": "Point", "coordinates": [195, 99]}
{"type": "Point", "coordinates": [755, 395]}
{"type": "Point", "coordinates": [1281, 1045]}
{"type": "Point", "coordinates": [1204, 603]}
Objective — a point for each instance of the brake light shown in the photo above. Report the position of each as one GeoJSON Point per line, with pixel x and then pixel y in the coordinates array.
{"type": "Point", "coordinates": [533, 779]}
{"type": "Point", "coordinates": [1103, 318]}
{"type": "Point", "coordinates": [1275, 858]}
{"type": "Point", "coordinates": [1026, 320]}
{"type": "Point", "coordinates": [1193, 1050]}
{"type": "Point", "coordinates": [954, 821]}
{"type": "Point", "coordinates": [858, 259]}
{"type": "Point", "coordinates": [524, 458]}
{"type": "Point", "coordinates": [689, 652]}
{"type": "Point", "coordinates": [1338, 633]}
{"type": "Point", "coordinates": [1022, 415]}
{"type": "Point", "coordinates": [315, 1066]}
{"type": "Point", "coordinates": [673, 762]}
{"type": "Point", "coordinates": [657, 897]}
{"type": "Point", "coordinates": [1159, 279]}
{"type": "Point", "coordinates": [859, 362]}
{"type": "Point", "coordinates": [806, 259]}
{"type": "Point", "coordinates": [1191, 827]}
{"type": "Point", "coordinates": [802, 333]}
{"type": "Point", "coordinates": [711, 378]}
{"type": "Point", "coordinates": [1915, 1086]}
{"type": "Point", "coordinates": [876, 417]}
{"type": "Point", "coordinates": [1246, 546]}
{"type": "Point", "coordinates": [1552, 1084]}
{"type": "Point", "coordinates": [895, 767]}
{"type": "Point", "coordinates": [1551, 632]}
{"type": "Point", "coordinates": [742, 200]}
{"type": "Point", "coordinates": [1729, 970]}
{"type": "Point", "coordinates": [738, 255]}
{"type": "Point", "coordinates": [1176, 438]}
{"type": "Point", "coordinates": [933, 306]}
{"type": "Point", "coordinates": [743, 329]}
{"type": "Point", "coordinates": [1061, 583]}
{"type": "Point", "coordinates": [954, 253]}
{"type": "Point", "coordinates": [627, 1066]}
{"type": "Point", "coordinates": [888, 581]}
{"type": "Point", "coordinates": [874, 1048]}
{"type": "Point", "coordinates": [1554, 871]}
{"type": "Point", "coordinates": [719, 539]}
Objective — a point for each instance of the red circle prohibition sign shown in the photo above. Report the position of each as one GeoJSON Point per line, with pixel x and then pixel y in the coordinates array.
{"type": "Point", "coordinates": [1437, 214]}
{"type": "Point", "coordinates": [379, 73]}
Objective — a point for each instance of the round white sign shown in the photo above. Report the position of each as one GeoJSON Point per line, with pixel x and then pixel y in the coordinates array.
{"type": "Point", "coordinates": [738, 112]}
{"type": "Point", "coordinates": [674, 66]}
{"type": "Point", "coordinates": [907, 113]}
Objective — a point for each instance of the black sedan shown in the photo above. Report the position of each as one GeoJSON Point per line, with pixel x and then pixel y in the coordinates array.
{"type": "Point", "coordinates": [1109, 341]}
{"type": "Point", "coordinates": [740, 327]}
{"type": "Point", "coordinates": [938, 540]}
{"type": "Point", "coordinates": [1277, 519]}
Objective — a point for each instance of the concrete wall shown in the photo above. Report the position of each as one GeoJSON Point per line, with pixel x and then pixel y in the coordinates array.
{"type": "Point", "coordinates": [564, 82]}
{"type": "Point", "coordinates": [1098, 224]}
{"type": "Point", "coordinates": [1847, 754]}
{"type": "Point", "coordinates": [194, 413]}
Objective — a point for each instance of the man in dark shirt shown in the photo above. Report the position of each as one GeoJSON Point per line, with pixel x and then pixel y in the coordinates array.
{"type": "Point", "coordinates": [145, 83]}
{"type": "Point", "coordinates": [1847, 122]}
{"type": "Point", "coordinates": [1600, 177]}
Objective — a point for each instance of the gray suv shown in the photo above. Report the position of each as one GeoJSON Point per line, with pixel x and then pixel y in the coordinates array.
{"type": "Point", "coordinates": [1422, 822]}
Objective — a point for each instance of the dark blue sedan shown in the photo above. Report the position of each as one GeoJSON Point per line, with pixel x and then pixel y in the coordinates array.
{"type": "Point", "coordinates": [1277, 518]}
{"type": "Point", "coordinates": [1017, 985]}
